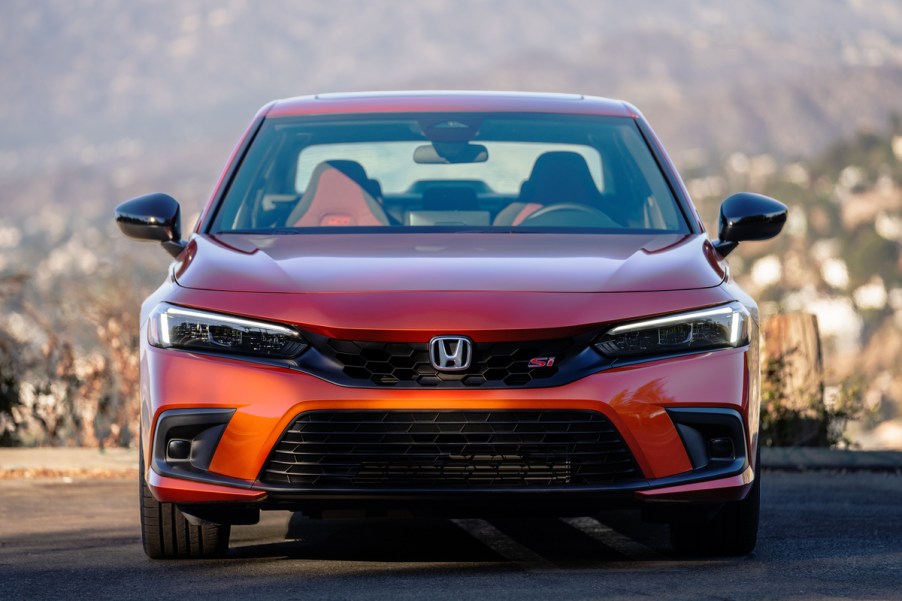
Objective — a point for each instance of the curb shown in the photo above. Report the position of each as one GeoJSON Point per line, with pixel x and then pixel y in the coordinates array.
{"type": "Point", "coordinates": [803, 459]}
{"type": "Point", "coordinates": [30, 463]}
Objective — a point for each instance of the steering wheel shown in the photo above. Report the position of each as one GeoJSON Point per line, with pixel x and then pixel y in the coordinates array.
{"type": "Point", "coordinates": [568, 214]}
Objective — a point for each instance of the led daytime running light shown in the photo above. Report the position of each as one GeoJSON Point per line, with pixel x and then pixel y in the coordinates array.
{"type": "Point", "coordinates": [725, 326]}
{"type": "Point", "coordinates": [196, 330]}
{"type": "Point", "coordinates": [219, 317]}
{"type": "Point", "coordinates": [681, 318]}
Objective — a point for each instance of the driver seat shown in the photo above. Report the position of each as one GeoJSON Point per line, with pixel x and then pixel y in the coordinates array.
{"type": "Point", "coordinates": [557, 176]}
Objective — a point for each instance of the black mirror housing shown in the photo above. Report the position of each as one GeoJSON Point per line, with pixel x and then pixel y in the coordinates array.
{"type": "Point", "coordinates": [748, 216]}
{"type": "Point", "coordinates": [155, 217]}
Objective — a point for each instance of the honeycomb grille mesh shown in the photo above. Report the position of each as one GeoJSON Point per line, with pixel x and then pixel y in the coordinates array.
{"type": "Point", "coordinates": [494, 363]}
{"type": "Point", "coordinates": [459, 449]}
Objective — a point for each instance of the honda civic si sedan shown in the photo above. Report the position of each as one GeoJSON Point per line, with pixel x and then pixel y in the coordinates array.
{"type": "Point", "coordinates": [454, 304]}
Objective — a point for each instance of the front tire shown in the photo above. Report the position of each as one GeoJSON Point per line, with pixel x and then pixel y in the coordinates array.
{"type": "Point", "coordinates": [732, 531]}
{"type": "Point", "coordinates": [166, 534]}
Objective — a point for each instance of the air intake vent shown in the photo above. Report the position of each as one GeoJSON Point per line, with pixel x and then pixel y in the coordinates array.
{"type": "Point", "coordinates": [454, 449]}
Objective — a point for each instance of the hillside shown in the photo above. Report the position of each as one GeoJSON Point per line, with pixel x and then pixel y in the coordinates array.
{"type": "Point", "coordinates": [91, 82]}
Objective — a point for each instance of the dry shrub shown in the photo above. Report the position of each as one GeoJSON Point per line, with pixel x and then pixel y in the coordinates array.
{"type": "Point", "coordinates": [59, 386]}
{"type": "Point", "coordinates": [791, 417]}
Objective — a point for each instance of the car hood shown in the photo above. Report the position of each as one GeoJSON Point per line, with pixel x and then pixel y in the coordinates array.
{"type": "Point", "coordinates": [330, 263]}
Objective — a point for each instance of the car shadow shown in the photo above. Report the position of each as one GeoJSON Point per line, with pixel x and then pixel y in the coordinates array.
{"type": "Point", "coordinates": [539, 541]}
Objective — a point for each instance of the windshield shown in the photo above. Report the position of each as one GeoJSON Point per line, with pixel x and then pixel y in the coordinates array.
{"type": "Point", "coordinates": [449, 171]}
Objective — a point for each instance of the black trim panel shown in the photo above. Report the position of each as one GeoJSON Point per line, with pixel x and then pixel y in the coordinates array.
{"type": "Point", "coordinates": [203, 427]}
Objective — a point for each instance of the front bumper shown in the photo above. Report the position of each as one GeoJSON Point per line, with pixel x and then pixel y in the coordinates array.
{"type": "Point", "coordinates": [265, 400]}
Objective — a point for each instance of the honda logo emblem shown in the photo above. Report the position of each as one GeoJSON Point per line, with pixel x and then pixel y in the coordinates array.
{"type": "Point", "coordinates": [450, 353]}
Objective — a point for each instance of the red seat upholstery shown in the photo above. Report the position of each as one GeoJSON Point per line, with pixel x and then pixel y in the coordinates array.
{"type": "Point", "coordinates": [334, 199]}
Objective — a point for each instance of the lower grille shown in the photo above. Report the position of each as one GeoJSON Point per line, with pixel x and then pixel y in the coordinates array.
{"type": "Point", "coordinates": [455, 449]}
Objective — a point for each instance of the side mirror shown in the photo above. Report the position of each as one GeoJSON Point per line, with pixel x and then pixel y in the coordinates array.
{"type": "Point", "coordinates": [152, 217]}
{"type": "Point", "coordinates": [747, 216]}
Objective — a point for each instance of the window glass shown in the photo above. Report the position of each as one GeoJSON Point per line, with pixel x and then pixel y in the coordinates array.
{"type": "Point", "coordinates": [506, 171]}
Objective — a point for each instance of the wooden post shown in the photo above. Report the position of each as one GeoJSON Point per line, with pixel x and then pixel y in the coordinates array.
{"type": "Point", "coordinates": [793, 393]}
{"type": "Point", "coordinates": [794, 336]}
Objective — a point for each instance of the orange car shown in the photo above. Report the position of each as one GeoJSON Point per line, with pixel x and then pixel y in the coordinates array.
{"type": "Point", "coordinates": [455, 304]}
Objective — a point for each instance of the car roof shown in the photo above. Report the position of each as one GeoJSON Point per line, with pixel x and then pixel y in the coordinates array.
{"type": "Point", "coordinates": [457, 101]}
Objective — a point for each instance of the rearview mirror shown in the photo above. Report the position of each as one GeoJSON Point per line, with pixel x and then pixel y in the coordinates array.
{"type": "Point", "coordinates": [747, 216]}
{"type": "Point", "coordinates": [445, 153]}
{"type": "Point", "coordinates": [154, 217]}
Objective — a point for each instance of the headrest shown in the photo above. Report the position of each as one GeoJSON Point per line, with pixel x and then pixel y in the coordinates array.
{"type": "Point", "coordinates": [352, 169]}
{"type": "Point", "coordinates": [560, 176]}
{"type": "Point", "coordinates": [356, 172]}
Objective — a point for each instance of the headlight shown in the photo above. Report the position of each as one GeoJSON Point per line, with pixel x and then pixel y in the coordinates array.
{"type": "Point", "coordinates": [719, 327]}
{"type": "Point", "coordinates": [190, 329]}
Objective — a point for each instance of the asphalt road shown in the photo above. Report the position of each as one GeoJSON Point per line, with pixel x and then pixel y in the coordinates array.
{"type": "Point", "coordinates": [824, 536]}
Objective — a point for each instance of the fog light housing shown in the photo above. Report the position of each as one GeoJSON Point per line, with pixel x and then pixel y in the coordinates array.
{"type": "Point", "coordinates": [186, 439]}
{"type": "Point", "coordinates": [712, 437]}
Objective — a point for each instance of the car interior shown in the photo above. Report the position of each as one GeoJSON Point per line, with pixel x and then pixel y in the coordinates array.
{"type": "Point", "coordinates": [559, 190]}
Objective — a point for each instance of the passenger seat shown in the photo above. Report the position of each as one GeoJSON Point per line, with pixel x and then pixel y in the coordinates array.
{"type": "Point", "coordinates": [333, 198]}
